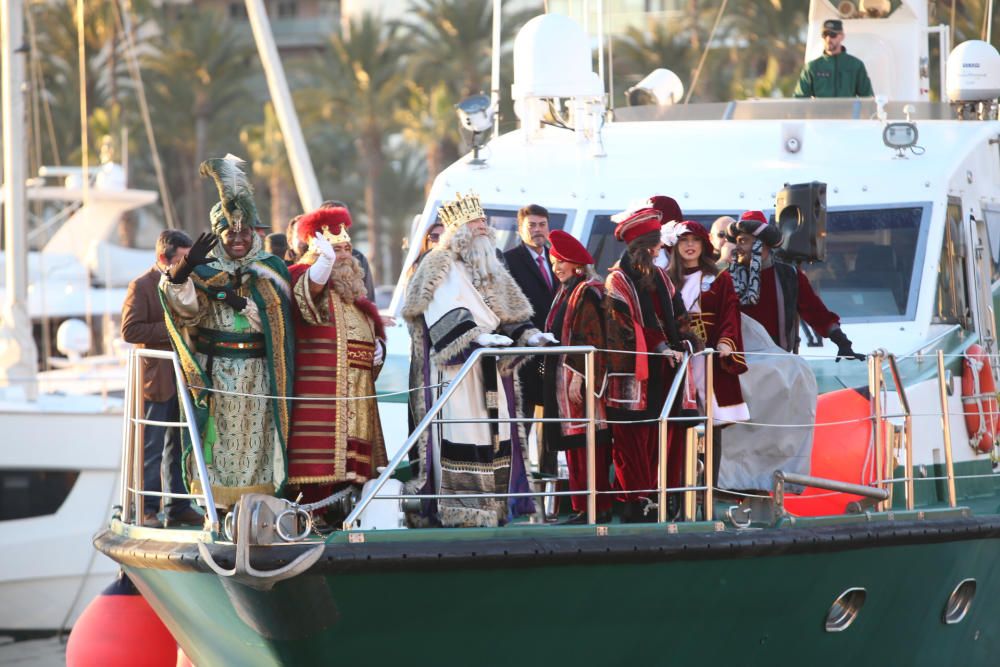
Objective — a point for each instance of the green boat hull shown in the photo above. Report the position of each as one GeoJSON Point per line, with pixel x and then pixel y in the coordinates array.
{"type": "Point", "coordinates": [638, 595]}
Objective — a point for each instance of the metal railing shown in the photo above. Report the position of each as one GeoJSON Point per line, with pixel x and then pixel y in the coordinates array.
{"type": "Point", "coordinates": [878, 490]}
{"type": "Point", "coordinates": [132, 486]}
{"type": "Point", "coordinates": [435, 409]}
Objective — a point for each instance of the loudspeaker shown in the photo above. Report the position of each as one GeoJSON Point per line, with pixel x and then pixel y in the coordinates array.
{"type": "Point", "coordinates": [800, 212]}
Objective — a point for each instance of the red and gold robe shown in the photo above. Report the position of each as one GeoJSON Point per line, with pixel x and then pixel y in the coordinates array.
{"type": "Point", "coordinates": [770, 309]}
{"type": "Point", "coordinates": [576, 318]}
{"type": "Point", "coordinates": [334, 441]}
{"type": "Point", "coordinates": [714, 310]}
{"type": "Point", "coordinates": [639, 322]}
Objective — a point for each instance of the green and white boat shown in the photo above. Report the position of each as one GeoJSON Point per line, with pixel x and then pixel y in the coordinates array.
{"type": "Point", "coordinates": [892, 560]}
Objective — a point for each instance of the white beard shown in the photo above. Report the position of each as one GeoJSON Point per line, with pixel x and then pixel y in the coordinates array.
{"type": "Point", "coordinates": [478, 253]}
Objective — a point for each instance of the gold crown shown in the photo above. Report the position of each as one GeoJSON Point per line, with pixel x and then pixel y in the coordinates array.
{"type": "Point", "coordinates": [464, 209]}
{"type": "Point", "coordinates": [334, 239]}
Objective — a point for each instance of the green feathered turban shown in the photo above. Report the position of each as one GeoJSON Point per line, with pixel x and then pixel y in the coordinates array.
{"type": "Point", "coordinates": [235, 207]}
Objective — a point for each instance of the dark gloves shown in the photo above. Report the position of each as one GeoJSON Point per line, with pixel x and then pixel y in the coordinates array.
{"type": "Point", "coordinates": [229, 297]}
{"type": "Point", "coordinates": [196, 256]}
{"type": "Point", "coordinates": [843, 343]}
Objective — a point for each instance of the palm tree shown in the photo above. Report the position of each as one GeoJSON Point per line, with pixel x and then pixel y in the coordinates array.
{"type": "Point", "coordinates": [639, 51]}
{"type": "Point", "coordinates": [451, 47]}
{"type": "Point", "coordinates": [428, 122]}
{"type": "Point", "coordinates": [775, 45]}
{"type": "Point", "coordinates": [357, 84]}
{"type": "Point", "coordinates": [197, 84]}
{"type": "Point", "coordinates": [267, 156]}
{"type": "Point", "coordinates": [55, 26]}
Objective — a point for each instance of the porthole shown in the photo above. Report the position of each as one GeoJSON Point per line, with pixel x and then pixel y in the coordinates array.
{"type": "Point", "coordinates": [845, 609]}
{"type": "Point", "coordinates": [959, 602]}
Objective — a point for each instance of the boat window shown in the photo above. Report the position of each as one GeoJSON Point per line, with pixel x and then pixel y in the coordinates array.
{"type": "Point", "coordinates": [505, 222]}
{"type": "Point", "coordinates": [30, 493]}
{"type": "Point", "coordinates": [873, 258]}
{"type": "Point", "coordinates": [952, 305]}
{"type": "Point", "coordinates": [872, 264]}
{"type": "Point", "coordinates": [993, 232]}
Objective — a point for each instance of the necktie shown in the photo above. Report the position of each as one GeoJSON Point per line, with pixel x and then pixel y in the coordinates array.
{"type": "Point", "coordinates": [545, 274]}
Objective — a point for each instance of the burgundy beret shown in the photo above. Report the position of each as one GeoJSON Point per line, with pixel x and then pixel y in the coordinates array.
{"type": "Point", "coordinates": [565, 247]}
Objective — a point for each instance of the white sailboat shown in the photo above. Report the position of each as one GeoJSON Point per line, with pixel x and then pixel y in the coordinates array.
{"type": "Point", "coordinates": [59, 454]}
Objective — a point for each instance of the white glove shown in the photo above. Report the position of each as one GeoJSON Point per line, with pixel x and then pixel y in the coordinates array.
{"type": "Point", "coordinates": [493, 340]}
{"type": "Point", "coordinates": [319, 272]}
{"type": "Point", "coordinates": [379, 354]}
{"type": "Point", "coordinates": [540, 338]}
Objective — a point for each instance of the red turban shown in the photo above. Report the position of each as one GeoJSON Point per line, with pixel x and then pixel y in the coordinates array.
{"type": "Point", "coordinates": [668, 207]}
{"type": "Point", "coordinates": [334, 219]}
{"type": "Point", "coordinates": [755, 224]}
{"type": "Point", "coordinates": [639, 222]}
{"type": "Point", "coordinates": [566, 248]}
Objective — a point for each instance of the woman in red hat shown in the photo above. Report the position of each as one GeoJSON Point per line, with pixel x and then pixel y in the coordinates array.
{"type": "Point", "coordinates": [714, 309]}
{"type": "Point", "coordinates": [647, 328]}
{"type": "Point", "coordinates": [576, 318]}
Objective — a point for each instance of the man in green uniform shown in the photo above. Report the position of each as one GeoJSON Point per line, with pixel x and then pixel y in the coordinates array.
{"type": "Point", "coordinates": [835, 73]}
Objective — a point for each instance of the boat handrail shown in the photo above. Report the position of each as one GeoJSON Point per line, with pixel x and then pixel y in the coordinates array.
{"type": "Point", "coordinates": [907, 428]}
{"type": "Point", "coordinates": [663, 436]}
{"type": "Point", "coordinates": [132, 442]}
{"type": "Point", "coordinates": [450, 389]}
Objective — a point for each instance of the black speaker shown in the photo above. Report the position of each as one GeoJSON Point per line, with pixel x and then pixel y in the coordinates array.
{"type": "Point", "coordinates": [800, 212]}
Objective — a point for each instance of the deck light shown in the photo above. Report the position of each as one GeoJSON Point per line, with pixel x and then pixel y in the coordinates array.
{"type": "Point", "coordinates": [900, 136]}
{"type": "Point", "coordinates": [476, 114]}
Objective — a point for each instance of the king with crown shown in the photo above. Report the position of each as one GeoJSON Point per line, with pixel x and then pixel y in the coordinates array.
{"type": "Point", "coordinates": [460, 298]}
{"type": "Point", "coordinates": [336, 436]}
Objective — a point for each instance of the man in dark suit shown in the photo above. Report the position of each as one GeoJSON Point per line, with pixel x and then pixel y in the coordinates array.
{"type": "Point", "coordinates": [529, 264]}
{"type": "Point", "coordinates": [143, 325]}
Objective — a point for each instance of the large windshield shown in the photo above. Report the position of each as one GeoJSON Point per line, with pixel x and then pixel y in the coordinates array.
{"type": "Point", "coordinates": [872, 259]}
{"type": "Point", "coordinates": [871, 255]}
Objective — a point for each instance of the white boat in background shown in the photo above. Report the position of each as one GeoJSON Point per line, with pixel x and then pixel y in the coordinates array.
{"type": "Point", "coordinates": [59, 458]}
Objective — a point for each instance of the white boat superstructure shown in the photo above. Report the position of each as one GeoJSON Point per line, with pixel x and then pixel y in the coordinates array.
{"type": "Point", "coordinates": [912, 232]}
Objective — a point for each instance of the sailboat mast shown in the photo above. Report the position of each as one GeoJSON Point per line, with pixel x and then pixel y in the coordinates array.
{"type": "Point", "coordinates": [18, 356]}
{"type": "Point", "coordinates": [298, 157]}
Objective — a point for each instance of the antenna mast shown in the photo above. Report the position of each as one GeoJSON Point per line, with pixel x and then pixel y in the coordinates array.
{"type": "Point", "coordinates": [18, 355]}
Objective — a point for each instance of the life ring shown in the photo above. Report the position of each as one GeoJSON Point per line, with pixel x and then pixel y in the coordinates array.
{"type": "Point", "coordinates": [979, 400]}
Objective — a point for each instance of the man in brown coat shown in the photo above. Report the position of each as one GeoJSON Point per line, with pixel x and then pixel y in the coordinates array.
{"type": "Point", "coordinates": [143, 325]}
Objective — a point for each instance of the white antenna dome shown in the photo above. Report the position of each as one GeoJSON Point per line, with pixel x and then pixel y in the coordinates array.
{"type": "Point", "coordinates": [552, 59]}
{"type": "Point", "coordinates": [73, 338]}
{"type": "Point", "coordinates": [973, 72]}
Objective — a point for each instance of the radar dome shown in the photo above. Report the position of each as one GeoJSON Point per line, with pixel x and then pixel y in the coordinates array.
{"type": "Point", "coordinates": [973, 72]}
{"type": "Point", "coordinates": [73, 338]}
{"type": "Point", "coordinates": [552, 58]}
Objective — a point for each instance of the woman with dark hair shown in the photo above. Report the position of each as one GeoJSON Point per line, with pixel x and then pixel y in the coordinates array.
{"type": "Point", "coordinates": [576, 318]}
{"type": "Point", "coordinates": [714, 311]}
{"type": "Point", "coordinates": [647, 333]}
{"type": "Point", "coordinates": [430, 242]}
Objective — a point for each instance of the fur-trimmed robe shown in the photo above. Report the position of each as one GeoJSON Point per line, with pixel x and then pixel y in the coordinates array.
{"type": "Point", "coordinates": [445, 311]}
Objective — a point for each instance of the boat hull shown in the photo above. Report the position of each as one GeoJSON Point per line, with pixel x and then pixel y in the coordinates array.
{"type": "Point", "coordinates": [644, 596]}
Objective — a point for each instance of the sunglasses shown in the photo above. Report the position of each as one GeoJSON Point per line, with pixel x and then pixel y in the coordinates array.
{"type": "Point", "coordinates": [828, 33]}
{"type": "Point", "coordinates": [434, 237]}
